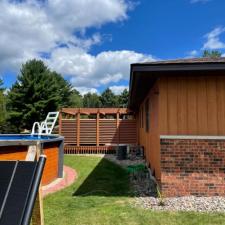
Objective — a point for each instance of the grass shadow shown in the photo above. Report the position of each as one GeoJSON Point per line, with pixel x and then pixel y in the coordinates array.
{"type": "Point", "coordinates": [106, 179]}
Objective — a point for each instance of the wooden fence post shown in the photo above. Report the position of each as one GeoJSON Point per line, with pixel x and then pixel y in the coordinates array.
{"type": "Point", "coordinates": [97, 129]}
{"type": "Point", "coordinates": [117, 125]}
{"type": "Point", "coordinates": [60, 122]}
{"type": "Point", "coordinates": [38, 214]}
{"type": "Point", "coordinates": [78, 129]}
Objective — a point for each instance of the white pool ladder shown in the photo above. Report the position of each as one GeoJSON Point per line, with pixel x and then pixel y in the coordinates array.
{"type": "Point", "coordinates": [46, 126]}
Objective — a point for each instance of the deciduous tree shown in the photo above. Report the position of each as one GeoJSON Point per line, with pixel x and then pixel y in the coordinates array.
{"type": "Point", "coordinates": [123, 98]}
{"type": "Point", "coordinates": [91, 100]}
{"type": "Point", "coordinates": [76, 99]}
{"type": "Point", "coordinates": [109, 99]}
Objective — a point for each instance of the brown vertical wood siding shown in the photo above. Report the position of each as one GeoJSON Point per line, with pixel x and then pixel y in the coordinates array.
{"type": "Point", "coordinates": [192, 105]}
{"type": "Point", "coordinates": [220, 96]}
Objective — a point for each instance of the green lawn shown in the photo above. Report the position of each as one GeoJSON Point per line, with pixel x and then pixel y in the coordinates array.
{"type": "Point", "coordinates": [101, 195]}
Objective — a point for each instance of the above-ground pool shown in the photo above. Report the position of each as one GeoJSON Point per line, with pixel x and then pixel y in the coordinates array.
{"type": "Point", "coordinates": [15, 146]}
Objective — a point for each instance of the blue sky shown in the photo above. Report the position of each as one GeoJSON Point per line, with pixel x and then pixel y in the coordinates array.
{"type": "Point", "coordinates": [92, 43]}
{"type": "Point", "coordinates": [166, 29]}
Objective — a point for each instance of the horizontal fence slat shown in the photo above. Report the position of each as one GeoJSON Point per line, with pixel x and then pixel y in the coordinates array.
{"type": "Point", "coordinates": [108, 131]}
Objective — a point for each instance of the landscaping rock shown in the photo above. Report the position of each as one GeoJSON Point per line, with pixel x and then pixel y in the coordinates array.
{"type": "Point", "coordinates": [187, 203]}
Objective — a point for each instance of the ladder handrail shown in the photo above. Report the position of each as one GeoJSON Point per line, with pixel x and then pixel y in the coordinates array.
{"type": "Point", "coordinates": [34, 126]}
{"type": "Point", "coordinates": [46, 127]}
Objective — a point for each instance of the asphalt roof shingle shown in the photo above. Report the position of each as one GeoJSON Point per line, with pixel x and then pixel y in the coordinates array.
{"type": "Point", "coordinates": [188, 61]}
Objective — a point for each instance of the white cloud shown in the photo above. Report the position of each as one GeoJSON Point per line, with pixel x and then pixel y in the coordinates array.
{"type": "Point", "coordinates": [213, 40]}
{"type": "Point", "coordinates": [87, 70]}
{"type": "Point", "coordinates": [6, 91]}
{"type": "Point", "coordinates": [32, 26]}
{"type": "Point", "coordinates": [192, 54]}
{"type": "Point", "coordinates": [199, 1]}
{"type": "Point", "coordinates": [85, 90]}
{"type": "Point", "coordinates": [58, 28]}
{"type": "Point", "coordinates": [77, 14]}
{"type": "Point", "coordinates": [24, 32]}
{"type": "Point", "coordinates": [118, 89]}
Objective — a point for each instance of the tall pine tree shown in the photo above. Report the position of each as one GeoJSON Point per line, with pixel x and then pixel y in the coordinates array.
{"type": "Point", "coordinates": [36, 92]}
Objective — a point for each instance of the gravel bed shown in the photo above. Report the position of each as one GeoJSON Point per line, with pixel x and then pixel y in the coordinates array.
{"type": "Point", "coordinates": [187, 203]}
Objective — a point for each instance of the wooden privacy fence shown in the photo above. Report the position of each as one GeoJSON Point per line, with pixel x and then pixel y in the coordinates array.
{"type": "Point", "coordinates": [96, 130]}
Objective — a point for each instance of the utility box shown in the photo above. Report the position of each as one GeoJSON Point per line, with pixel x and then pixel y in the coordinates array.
{"type": "Point", "coordinates": [121, 152]}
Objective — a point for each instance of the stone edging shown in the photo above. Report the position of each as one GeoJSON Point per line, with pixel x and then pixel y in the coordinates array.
{"type": "Point", "coordinates": [70, 175]}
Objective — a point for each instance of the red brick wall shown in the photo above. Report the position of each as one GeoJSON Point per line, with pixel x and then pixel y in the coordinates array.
{"type": "Point", "coordinates": [20, 152]}
{"type": "Point", "coordinates": [192, 167]}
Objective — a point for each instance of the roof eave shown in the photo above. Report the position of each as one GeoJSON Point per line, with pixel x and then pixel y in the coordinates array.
{"type": "Point", "coordinates": [177, 67]}
{"type": "Point", "coordinates": [168, 68]}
